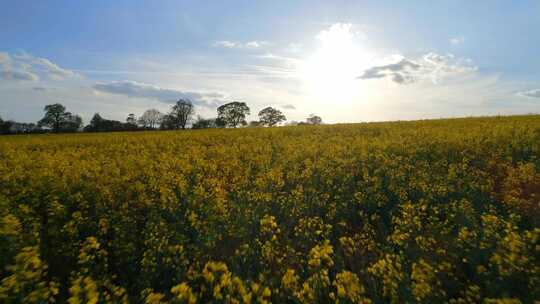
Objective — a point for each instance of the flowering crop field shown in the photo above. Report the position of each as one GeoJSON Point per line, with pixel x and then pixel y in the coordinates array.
{"type": "Point", "coordinates": [440, 211]}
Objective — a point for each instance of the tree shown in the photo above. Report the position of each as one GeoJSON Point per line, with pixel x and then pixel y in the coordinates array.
{"type": "Point", "coordinates": [5, 126]}
{"type": "Point", "coordinates": [131, 119]}
{"type": "Point", "coordinates": [97, 120]}
{"type": "Point", "coordinates": [233, 113]}
{"type": "Point", "coordinates": [220, 123]}
{"type": "Point", "coordinates": [72, 123]}
{"type": "Point", "coordinates": [99, 124]}
{"type": "Point", "coordinates": [59, 120]}
{"type": "Point", "coordinates": [131, 122]}
{"type": "Point", "coordinates": [13, 127]}
{"type": "Point", "coordinates": [314, 120]}
{"type": "Point", "coordinates": [271, 117]}
{"type": "Point", "coordinates": [55, 116]}
{"type": "Point", "coordinates": [181, 113]}
{"type": "Point", "coordinates": [167, 122]}
{"type": "Point", "coordinates": [204, 123]}
{"type": "Point", "coordinates": [151, 118]}
{"type": "Point", "coordinates": [255, 123]}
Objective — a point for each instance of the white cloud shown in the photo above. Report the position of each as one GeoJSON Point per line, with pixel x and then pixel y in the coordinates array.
{"type": "Point", "coordinates": [294, 47]}
{"type": "Point", "coordinates": [149, 91]}
{"type": "Point", "coordinates": [337, 32]}
{"type": "Point", "coordinates": [12, 71]}
{"type": "Point", "coordinates": [254, 44]}
{"type": "Point", "coordinates": [288, 107]}
{"type": "Point", "coordinates": [26, 67]}
{"type": "Point", "coordinates": [472, 94]}
{"type": "Point", "coordinates": [18, 75]}
{"type": "Point", "coordinates": [535, 93]}
{"type": "Point", "coordinates": [240, 45]}
{"type": "Point", "coordinates": [430, 66]}
{"type": "Point", "coordinates": [226, 44]}
{"type": "Point", "coordinates": [53, 69]}
{"type": "Point", "coordinates": [457, 40]}
{"type": "Point", "coordinates": [42, 89]}
{"type": "Point", "coordinates": [44, 66]}
{"type": "Point", "coordinates": [276, 64]}
{"type": "Point", "coordinates": [4, 58]}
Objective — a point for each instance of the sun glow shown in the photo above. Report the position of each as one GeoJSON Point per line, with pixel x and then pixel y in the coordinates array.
{"type": "Point", "coordinates": [331, 71]}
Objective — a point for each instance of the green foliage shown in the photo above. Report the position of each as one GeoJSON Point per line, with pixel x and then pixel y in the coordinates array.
{"type": "Point", "coordinates": [271, 117]}
{"type": "Point", "coordinates": [58, 120]}
{"type": "Point", "coordinates": [442, 211]}
{"type": "Point", "coordinates": [232, 114]}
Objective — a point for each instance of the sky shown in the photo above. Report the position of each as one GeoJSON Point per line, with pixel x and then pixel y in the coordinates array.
{"type": "Point", "coordinates": [346, 61]}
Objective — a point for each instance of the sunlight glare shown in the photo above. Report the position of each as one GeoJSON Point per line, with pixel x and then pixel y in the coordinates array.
{"type": "Point", "coordinates": [331, 71]}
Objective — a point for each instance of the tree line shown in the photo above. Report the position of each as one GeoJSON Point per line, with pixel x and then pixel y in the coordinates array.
{"type": "Point", "coordinates": [180, 117]}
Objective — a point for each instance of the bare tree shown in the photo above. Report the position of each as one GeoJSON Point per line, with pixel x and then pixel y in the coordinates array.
{"type": "Point", "coordinates": [151, 118]}
{"type": "Point", "coordinates": [181, 114]}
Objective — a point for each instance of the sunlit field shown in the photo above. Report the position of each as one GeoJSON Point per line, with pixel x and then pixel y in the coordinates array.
{"type": "Point", "coordinates": [425, 211]}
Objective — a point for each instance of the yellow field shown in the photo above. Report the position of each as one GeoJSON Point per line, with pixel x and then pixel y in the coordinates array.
{"type": "Point", "coordinates": [427, 211]}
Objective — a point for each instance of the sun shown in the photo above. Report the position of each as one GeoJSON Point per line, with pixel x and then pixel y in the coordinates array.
{"type": "Point", "coordinates": [331, 71]}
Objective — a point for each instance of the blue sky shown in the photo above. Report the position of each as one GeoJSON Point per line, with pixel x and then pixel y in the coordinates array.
{"type": "Point", "coordinates": [346, 61]}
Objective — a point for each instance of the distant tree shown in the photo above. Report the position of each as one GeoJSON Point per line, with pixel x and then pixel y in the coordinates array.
{"type": "Point", "coordinates": [72, 123]}
{"type": "Point", "coordinates": [270, 116]}
{"type": "Point", "coordinates": [233, 114]}
{"type": "Point", "coordinates": [5, 126]}
{"type": "Point", "coordinates": [181, 114]}
{"type": "Point", "coordinates": [131, 119]}
{"type": "Point", "coordinates": [55, 116]}
{"type": "Point", "coordinates": [99, 124]}
{"type": "Point", "coordinates": [57, 119]}
{"type": "Point", "coordinates": [150, 118]}
{"type": "Point", "coordinates": [220, 123]}
{"type": "Point", "coordinates": [204, 123]}
{"type": "Point", "coordinates": [131, 123]}
{"type": "Point", "coordinates": [167, 122]}
{"type": "Point", "coordinates": [13, 127]}
{"type": "Point", "coordinates": [22, 128]}
{"type": "Point", "coordinates": [314, 120]}
{"type": "Point", "coordinates": [255, 123]}
{"type": "Point", "coordinates": [96, 120]}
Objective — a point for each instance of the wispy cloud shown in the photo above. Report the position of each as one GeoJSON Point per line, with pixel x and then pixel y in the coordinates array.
{"type": "Point", "coordinates": [143, 90]}
{"type": "Point", "coordinates": [4, 58]}
{"type": "Point", "coordinates": [26, 67]}
{"type": "Point", "coordinates": [294, 48]}
{"type": "Point", "coordinates": [20, 75]}
{"type": "Point", "coordinates": [340, 32]}
{"type": "Point", "coordinates": [288, 106]}
{"type": "Point", "coordinates": [430, 66]}
{"type": "Point", "coordinates": [535, 93]}
{"type": "Point", "coordinates": [240, 45]}
{"type": "Point", "coordinates": [457, 40]}
{"type": "Point", "coordinates": [42, 89]}
{"type": "Point", "coordinates": [51, 68]}
{"type": "Point", "coordinates": [11, 71]}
